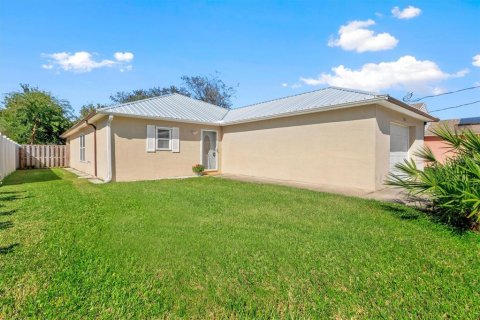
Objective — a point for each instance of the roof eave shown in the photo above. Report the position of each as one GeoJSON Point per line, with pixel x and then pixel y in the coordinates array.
{"type": "Point", "coordinates": [307, 111]}
{"type": "Point", "coordinates": [118, 114]}
{"type": "Point", "coordinates": [92, 116]}
{"type": "Point", "coordinates": [425, 116]}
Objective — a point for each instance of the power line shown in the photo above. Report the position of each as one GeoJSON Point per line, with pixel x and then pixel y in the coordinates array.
{"type": "Point", "coordinates": [460, 105]}
{"type": "Point", "coordinates": [410, 94]}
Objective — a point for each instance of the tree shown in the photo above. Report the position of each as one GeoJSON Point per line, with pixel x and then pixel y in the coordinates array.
{"type": "Point", "coordinates": [209, 89]}
{"type": "Point", "coordinates": [86, 109]}
{"type": "Point", "coordinates": [34, 116]}
{"type": "Point", "coordinates": [139, 94]}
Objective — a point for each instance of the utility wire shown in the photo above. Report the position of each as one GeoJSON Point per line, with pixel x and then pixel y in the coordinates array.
{"type": "Point", "coordinates": [460, 105]}
{"type": "Point", "coordinates": [408, 97]}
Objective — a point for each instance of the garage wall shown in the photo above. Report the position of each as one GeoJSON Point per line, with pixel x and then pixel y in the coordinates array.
{"type": "Point", "coordinates": [334, 148]}
{"type": "Point", "coordinates": [384, 118]}
{"type": "Point", "coordinates": [132, 162]}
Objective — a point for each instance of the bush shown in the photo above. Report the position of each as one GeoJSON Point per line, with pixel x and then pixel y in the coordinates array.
{"type": "Point", "coordinates": [198, 168]}
{"type": "Point", "coordinates": [453, 187]}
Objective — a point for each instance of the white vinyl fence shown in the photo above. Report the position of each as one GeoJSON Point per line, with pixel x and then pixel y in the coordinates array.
{"type": "Point", "coordinates": [9, 161]}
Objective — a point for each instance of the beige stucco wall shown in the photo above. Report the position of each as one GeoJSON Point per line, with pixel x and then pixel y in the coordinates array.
{"type": "Point", "coordinates": [131, 161]}
{"type": "Point", "coordinates": [384, 118]}
{"type": "Point", "coordinates": [88, 165]}
{"type": "Point", "coordinates": [334, 148]}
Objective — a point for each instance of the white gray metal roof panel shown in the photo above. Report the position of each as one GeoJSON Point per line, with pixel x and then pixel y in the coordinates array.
{"type": "Point", "coordinates": [302, 102]}
{"type": "Point", "coordinates": [173, 106]}
{"type": "Point", "coordinates": [182, 108]}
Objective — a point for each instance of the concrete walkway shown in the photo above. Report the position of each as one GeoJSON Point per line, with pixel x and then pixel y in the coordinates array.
{"type": "Point", "coordinates": [387, 194]}
{"type": "Point", "coordinates": [83, 175]}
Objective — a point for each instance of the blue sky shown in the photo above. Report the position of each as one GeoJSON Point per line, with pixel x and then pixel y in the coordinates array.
{"type": "Point", "coordinates": [269, 48]}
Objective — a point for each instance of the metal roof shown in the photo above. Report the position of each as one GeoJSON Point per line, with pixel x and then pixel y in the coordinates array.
{"type": "Point", "coordinates": [181, 108]}
{"type": "Point", "coordinates": [323, 98]}
{"type": "Point", "coordinates": [469, 121]}
{"type": "Point", "coordinates": [172, 106]}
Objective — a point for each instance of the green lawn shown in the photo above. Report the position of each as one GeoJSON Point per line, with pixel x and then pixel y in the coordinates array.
{"type": "Point", "coordinates": [208, 247]}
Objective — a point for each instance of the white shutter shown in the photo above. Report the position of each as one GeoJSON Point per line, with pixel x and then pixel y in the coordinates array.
{"type": "Point", "coordinates": [175, 140]}
{"type": "Point", "coordinates": [150, 138]}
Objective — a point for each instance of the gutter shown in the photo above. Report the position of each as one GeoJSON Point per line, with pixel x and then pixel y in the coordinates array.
{"type": "Point", "coordinates": [94, 145]}
{"type": "Point", "coordinates": [109, 149]}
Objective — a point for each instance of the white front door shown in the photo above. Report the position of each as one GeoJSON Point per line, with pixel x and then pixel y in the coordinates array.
{"type": "Point", "coordinates": [399, 144]}
{"type": "Point", "coordinates": [209, 150]}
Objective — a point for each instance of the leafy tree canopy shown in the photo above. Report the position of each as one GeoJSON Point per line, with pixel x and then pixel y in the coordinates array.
{"type": "Point", "coordinates": [34, 116]}
{"type": "Point", "coordinates": [210, 89]}
{"type": "Point", "coordinates": [139, 94]}
{"type": "Point", "coordinates": [86, 109]}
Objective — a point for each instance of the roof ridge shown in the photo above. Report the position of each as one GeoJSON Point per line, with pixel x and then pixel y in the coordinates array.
{"type": "Point", "coordinates": [372, 93]}
{"type": "Point", "coordinates": [131, 102]}
{"type": "Point", "coordinates": [159, 97]}
{"type": "Point", "coordinates": [307, 92]}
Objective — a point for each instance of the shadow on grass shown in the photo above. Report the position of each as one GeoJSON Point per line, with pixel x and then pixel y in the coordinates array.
{"type": "Point", "coordinates": [6, 225]}
{"type": "Point", "coordinates": [7, 213]}
{"type": "Point", "coordinates": [405, 212]}
{"type": "Point", "coordinates": [401, 211]}
{"type": "Point", "coordinates": [9, 248]}
{"type": "Point", "coordinates": [30, 176]}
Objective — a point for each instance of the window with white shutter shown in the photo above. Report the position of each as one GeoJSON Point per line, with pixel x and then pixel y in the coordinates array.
{"type": "Point", "coordinates": [175, 140]}
{"type": "Point", "coordinates": [82, 148]}
{"type": "Point", "coordinates": [164, 138]}
{"type": "Point", "coordinates": [151, 142]}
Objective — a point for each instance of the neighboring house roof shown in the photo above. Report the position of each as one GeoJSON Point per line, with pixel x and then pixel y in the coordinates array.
{"type": "Point", "coordinates": [420, 106]}
{"type": "Point", "coordinates": [455, 125]}
{"type": "Point", "coordinates": [177, 107]}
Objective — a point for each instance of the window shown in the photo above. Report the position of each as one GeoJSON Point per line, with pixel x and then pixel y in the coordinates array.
{"type": "Point", "coordinates": [82, 148]}
{"type": "Point", "coordinates": [164, 138]}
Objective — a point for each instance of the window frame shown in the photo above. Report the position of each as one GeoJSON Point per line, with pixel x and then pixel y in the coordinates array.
{"type": "Point", "coordinates": [82, 148]}
{"type": "Point", "coordinates": [163, 139]}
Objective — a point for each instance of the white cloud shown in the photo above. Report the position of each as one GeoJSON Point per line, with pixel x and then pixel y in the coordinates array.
{"type": "Point", "coordinates": [476, 60]}
{"type": "Point", "coordinates": [127, 68]}
{"type": "Point", "coordinates": [407, 13]}
{"type": "Point", "coordinates": [356, 36]}
{"type": "Point", "coordinates": [83, 61]}
{"type": "Point", "coordinates": [123, 56]}
{"type": "Point", "coordinates": [407, 73]}
{"type": "Point", "coordinates": [439, 90]}
{"type": "Point", "coordinates": [292, 86]}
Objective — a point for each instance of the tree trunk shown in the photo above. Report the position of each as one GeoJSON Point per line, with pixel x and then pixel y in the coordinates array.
{"type": "Point", "coordinates": [34, 131]}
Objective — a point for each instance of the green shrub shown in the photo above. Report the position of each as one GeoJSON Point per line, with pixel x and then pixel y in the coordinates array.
{"type": "Point", "coordinates": [452, 187]}
{"type": "Point", "coordinates": [198, 168]}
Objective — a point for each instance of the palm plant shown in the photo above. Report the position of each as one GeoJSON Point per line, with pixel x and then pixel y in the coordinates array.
{"type": "Point", "coordinates": [452, 187]}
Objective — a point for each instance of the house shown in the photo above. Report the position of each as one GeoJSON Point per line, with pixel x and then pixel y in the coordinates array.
{"type": "Point", "coordinates": [440, 148]}
{"type": "Point", "coordinates": [332, 136]}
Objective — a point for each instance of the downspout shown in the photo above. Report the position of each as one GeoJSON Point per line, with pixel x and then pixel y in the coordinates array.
{"type": "Point", "coordinates": [109, 149]}
{"type": "Point", "coordinates": [94, 145]}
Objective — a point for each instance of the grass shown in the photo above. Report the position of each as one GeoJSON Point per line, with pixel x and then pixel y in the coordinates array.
{"type": "Point", "coordinates": [214, 248]}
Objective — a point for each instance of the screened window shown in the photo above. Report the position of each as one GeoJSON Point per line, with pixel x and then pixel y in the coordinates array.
{"type": "Point", "coordinates": [82, 148]}
{"type": "Point", "coordinates": [164, 138]}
